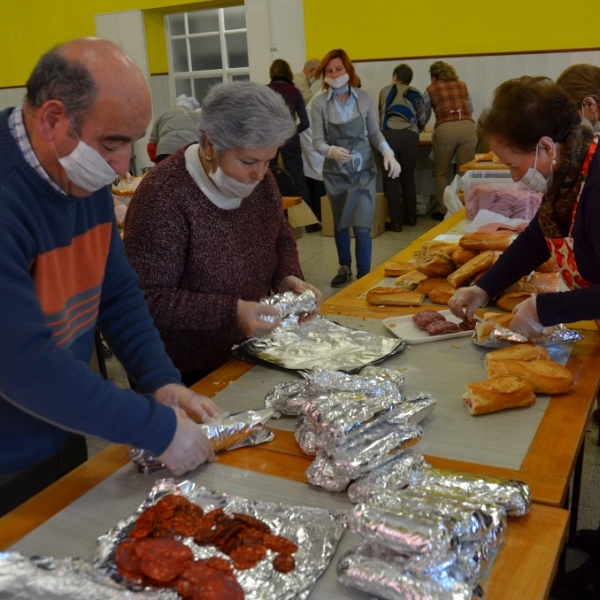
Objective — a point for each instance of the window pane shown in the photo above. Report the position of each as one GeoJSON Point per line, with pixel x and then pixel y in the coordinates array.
{"type": "Point", "coordinates": [177, 24]}
{"type": "Point", "coordinates": [183, 86]}
{"type": "Point", "coordinates": [203, 21]}
{"type": "Point", "coordinates": [237, 50]}
{"type": "Point", "coordinates": [179, 53]}
{"type": "Point", "coordinates": [206, 53]}
{"type": "Point", "coordinates": [235, 17]}
{"type": "Point", "coordinates": [240, 78]}
{"type": "Point", "coordinates": [202, 85]}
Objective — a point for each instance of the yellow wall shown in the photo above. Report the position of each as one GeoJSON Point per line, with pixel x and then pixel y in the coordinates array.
{"type": "Point", "coordinates": [366, 29]}
{"type": "Point", "coordinates": [381, 29]}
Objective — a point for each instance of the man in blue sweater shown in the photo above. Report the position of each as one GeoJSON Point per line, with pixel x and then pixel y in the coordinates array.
{"type": "Point", "coordinates": [63, 272]}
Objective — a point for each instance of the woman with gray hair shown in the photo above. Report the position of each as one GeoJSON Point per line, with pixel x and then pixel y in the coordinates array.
{"type": "Point", "coordinates": [207, 235]}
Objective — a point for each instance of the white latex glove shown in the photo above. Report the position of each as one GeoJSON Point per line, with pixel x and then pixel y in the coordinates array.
{"type": "Point", "coordinates": [466, 301]}
{"type": "Point", "coordinates": [120, 212]}
{"type": "Point", "coordinates": [339, 154]}
{"type": "Point", "coordinates": [249, 318]}
{"type": "Point", "coordinates": [391, 165]}
{"type": "Point", "coordinates": [294, 284]}
{"type": "Point", "coordinates": [525, 321]}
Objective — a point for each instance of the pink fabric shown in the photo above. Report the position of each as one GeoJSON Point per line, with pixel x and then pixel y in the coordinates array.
{"type": "Point", "coordinates": [509, 200]}
{"type": "Point", "coordinates": [503, 227]}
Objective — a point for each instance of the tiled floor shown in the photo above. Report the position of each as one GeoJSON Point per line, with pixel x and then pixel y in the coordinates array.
{"type": "Point", "coordinates": [319, 264]}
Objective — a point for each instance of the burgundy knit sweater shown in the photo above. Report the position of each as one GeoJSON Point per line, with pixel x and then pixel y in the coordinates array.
{"type": "Point", "coordinates": [195, 260]}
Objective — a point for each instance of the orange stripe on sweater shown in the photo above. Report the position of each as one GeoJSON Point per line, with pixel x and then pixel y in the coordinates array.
{"type": "Point", "coordinates": [63, 273]}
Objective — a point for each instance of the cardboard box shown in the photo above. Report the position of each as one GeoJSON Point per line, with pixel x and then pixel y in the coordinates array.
{"type": "Point", "coordinates": [425, 203]}
{"type": "Point", "coordinates": [379, 217]}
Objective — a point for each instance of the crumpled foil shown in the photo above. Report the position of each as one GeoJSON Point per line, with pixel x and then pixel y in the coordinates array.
{"type": "Point", "coordinates": [316, 531]}
{"type": "Point", "coordinates": [290, 303]}
{"type": "Point", "coordinates": [289, 397]}
{"type": "Point", "coordinates": [374, 447]}
{"type": "Point", "coordinates": [48, 578]}
{"type": "Point", "coordinates": [502, 336]}
{"type": "Point", "coordinates": [383, 573]}
{"type": "Point", "coordinates": [327, 423]}
{"type": "Point", "coordinates": [226, 433]}
{"type": "Point", "coordinates": [318, 343]}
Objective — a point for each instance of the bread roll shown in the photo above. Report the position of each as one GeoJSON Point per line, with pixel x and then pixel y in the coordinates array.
{"type": "Point", "coordinates": [394, 268]}
{"type": "Point", "coordinates": [472, 267]}
{"type": "Point", "coordinates": [517, 286]}
{"type": "Point", "coordinates": [461, 256]}
{"type": "Point", "coordinates": [410, 280]}
{"type": "Point", "coordinates": [441, 294]}
{"type": "Point", "coordinates": [545, 282]}
{"type": "Point", "coordinates": [389, 296]}
{"type": "Point", "coordinates": [428, 284]}
{"type": "Point", "coordinates": [548, 267]}
{"type": "Point", "coordinates": [490, 320]}
{"type": "Point", "coordinates": [509, 301]}
{"type": "Point", "coordinates": [547, 377]}
{"type": "Point", "coordinates": [486, 240]}
{"type": "Point", "coordinates": [484, 156]}
{"type": "Point", "coordinates": [497, 393]}
{"type": "Point", "coordinates": [436, 264]}
{"type": "Point", "coordinates": [525, 352]}
{"type": "Point", "coordinates": [431, 246]}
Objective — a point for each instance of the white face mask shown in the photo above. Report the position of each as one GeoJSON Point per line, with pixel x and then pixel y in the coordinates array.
{"type": "Point", "coordinates": [338, 82]}
{"type": "Point", "coordinates": [230, 187]}
{"type": "Point", "coordinates": [533, 179]}
{"type": "Point", "coordinates": [86, 168]}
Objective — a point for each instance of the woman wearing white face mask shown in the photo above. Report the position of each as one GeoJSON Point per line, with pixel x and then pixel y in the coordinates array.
{"type": "Point", "coordinates": [344, 124]}
{"type": "Point", "coordinates": [582, 84]}
{"type": "Point", "coordinates": [206, 233]}
{"type": "Point", "coordinates": [535, 130]}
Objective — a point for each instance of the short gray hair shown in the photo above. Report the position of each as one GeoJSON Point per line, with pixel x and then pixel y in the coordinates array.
{"type": "Point", "coordinates": [57, 78]}
{"type": "Point", "coordinates": [242, 114]}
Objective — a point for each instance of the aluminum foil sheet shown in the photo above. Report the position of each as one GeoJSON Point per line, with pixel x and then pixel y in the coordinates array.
{"type": "Point", "coordinates": [385, 574]}
{"type": "Point", "coordinates": [48, 578]}
{"type": "Point", "coordinates": [395, 474]}
{"type": "Point", "coordinates": [414, 408]}
{"type": "Point", "coordinates": [316, 531]}
{"type": "Point", "coordinates": [290, 303]}
{"type": "Point", "coordinates": [362, 453]}
{"type": "Point", "coordinates": [502, 336]}
{"type": "Point", "coordinates": [226, 433]}
{"type": "Point", "coordinates": [402, 531]}
{"type": "Point", "coordinates": [318, 343]}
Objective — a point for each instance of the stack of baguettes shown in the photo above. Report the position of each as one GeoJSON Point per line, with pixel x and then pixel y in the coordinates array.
{"type": "Point", "coordinates": [515, 375]}
{"type": "Point", "coordinates": [440, 267]}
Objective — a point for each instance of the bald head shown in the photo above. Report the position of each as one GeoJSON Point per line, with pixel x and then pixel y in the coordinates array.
{"type": "Point", "coordinates": [310, 67]}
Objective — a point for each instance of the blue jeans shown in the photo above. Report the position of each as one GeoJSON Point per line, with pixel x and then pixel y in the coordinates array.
{"type": "Point", "coordinates": [362, 249]}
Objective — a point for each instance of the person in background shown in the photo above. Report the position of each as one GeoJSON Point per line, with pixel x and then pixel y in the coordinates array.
{"type": "Point", "coordinates": [344, 124]}
{"type": "Point", "coordinates": [454, 133]}
{"type": "Point", "coordinates": [304, 80]}
{"type": "Point", "coordinates": [582, 84]}
{"type": "Point", "coordinates": [63, 272]}
{"type": "Point", "coordinates": [206, 233]}
{"type": "Point", "coordinates": [402, 116]}
{"type": "Point", "coordinates": [291, 152]}
{"type": "Point", "coordinates": [175, 128]}
{"type": "Point", "coordinates": [534, 128]}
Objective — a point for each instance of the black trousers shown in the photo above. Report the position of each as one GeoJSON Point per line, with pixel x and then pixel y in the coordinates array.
{"type": "Point", "coordinates": [405, 144]}
{"type": "Point", "coordinates": [291, 152]}
{"type": "Point", "coordinates": [18, 486]}
{"type": "Point", "coordinates": [316, 190]}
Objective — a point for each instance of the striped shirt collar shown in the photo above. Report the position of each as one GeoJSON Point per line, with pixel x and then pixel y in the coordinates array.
{"type": "Point", "coordinates": [18, 131]}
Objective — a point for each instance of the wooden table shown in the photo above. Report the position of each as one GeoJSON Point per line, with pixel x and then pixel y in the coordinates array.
{"type": "Point", "coordinates": [289, 201]}
{"type": "Point", "coordinates": [523, 569]}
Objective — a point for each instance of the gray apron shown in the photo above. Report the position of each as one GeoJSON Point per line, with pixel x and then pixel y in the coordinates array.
{"type": "Point", "coordinates": [350, 186]}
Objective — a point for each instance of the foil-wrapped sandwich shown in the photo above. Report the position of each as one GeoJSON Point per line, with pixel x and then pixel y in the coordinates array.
{"type": "Point", "coordinates": [226, 433]}
{"type": "Point", "coordinates": [290, 303]}
{"type": "Point", "coordinates": [289, 397]}
{"type": "Point", "coordinates": [372, 448]}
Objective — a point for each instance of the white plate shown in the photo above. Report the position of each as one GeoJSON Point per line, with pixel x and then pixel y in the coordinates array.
{"type": "Point", "coordinates": [404, 327]}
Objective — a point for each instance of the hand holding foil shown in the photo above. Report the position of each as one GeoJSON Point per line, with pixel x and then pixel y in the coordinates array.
{"type": "Point", "coordinates": [304, 304]}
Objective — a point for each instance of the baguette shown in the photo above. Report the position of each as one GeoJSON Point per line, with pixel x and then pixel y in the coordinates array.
{"type": "Point", "coordinates": [545, 282]}
{"type": "Point", "coordinates": [470, 268]}
{"type": "Point", "coordinates": [548, 267]}
{"type": "Point", "coordinates": [524, 352]}
{"type": "Point", "coordinates": [441, 294]}
{"type": "Point", "coordinates": [461, 256]}
{"type": "Point", "coordinates": [389, 296]}
{"type": "Point", "coordinates": [486, 240]}
{"type": "Point", "coordinates": [431, 246]}
{"type": "Point", "coordinates": [411, 280]}
{"type": "Point", "coordinates": [509, 301]}
{"type": "Point", "coordinates": [436, 264]}
{"type": "Point", "coordinates": [428, 284]}
{"type": "Point", "coordinates": [490, 320]}
{"type": "Point", "coordinates": [497, 393]}
{"type": "Point", "coordinates": [547, 377]}
{"type": "Point", "coordinates": [394, 268]}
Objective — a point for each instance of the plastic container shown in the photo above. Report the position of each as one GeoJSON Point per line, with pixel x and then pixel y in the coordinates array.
{"type": "Point", "coordinates": [472, 178]}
